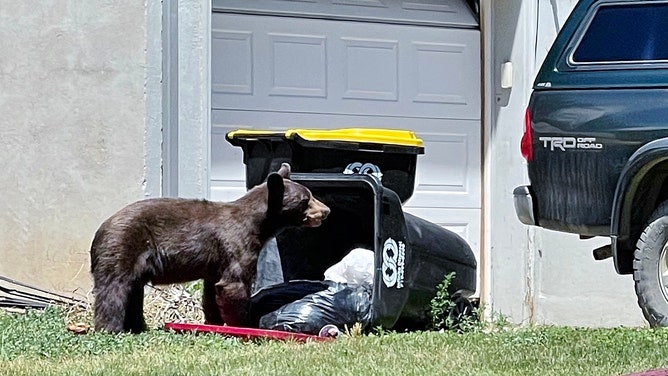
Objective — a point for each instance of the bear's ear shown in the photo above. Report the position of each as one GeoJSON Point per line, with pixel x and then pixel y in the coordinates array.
{"type": "Point", "coordinates": [284, 171]}
{"type": "Point", "coordinates": [275, 190]}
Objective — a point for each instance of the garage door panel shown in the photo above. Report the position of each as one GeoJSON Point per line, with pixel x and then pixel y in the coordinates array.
{"type": "Point", "coordinates": [454, 13]}
{"type": "Point", "coordinates": [233, 71]}
{"type": "Point", "coordinates": [298, 66]}
{"type": "Point", "coordinates": [446, 169]}
{"type": "Point", "coordinates": [339, 67]}
{"type": "Point", "coordinates": [371, 69]}
{"type": "Point", "coordinates": [434, 82]}
{"type": "Point", "coordinates": [448, 174]}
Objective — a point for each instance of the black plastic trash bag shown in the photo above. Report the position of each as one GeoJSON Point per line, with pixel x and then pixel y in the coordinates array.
{"type": "Point", "coordinates": [340, 304]}
{"type": "Point", "coordinates": [271, 298]}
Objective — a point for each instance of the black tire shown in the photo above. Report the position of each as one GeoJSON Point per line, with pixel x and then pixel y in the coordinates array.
{"type": "Point", "coordinates": [462, 312]}
{"type": "Point", "coordinates": [650, 262]}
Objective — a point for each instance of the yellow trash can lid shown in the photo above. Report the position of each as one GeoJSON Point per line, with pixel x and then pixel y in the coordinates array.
{"type": "Point", "coordinates": [397, 137]}
{"type": "Point", "coordinates": [365, 135]}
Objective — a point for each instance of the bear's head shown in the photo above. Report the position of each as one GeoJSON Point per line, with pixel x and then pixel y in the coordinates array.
{"type": "Point", "coordinates": [291, 203]}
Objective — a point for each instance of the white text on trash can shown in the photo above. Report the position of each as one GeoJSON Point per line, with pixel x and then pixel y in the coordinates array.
{"type": "Point", "coordinates": [394, 254]}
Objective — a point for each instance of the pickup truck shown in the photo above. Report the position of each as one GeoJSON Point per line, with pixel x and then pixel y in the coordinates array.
{"type": "Point", "coordinates": [596, 140]}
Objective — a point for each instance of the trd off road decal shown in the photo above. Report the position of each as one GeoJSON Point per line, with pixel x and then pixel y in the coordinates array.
{"type": "Point", "coordinates": [394, 254]}
{"type": "Point", "coordinates": [363, 168]}
{"type": "Point", "coordinates": [563, 143]}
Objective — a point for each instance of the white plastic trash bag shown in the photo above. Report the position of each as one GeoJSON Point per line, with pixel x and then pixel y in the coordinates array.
{"type": "Point", "coordinates": [355, 267]}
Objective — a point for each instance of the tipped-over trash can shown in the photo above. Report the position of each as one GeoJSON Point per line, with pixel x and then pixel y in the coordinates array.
{"type": "Point", "coordinates": [411, 256]}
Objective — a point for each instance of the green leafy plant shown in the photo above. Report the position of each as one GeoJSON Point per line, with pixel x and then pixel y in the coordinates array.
{"type": "Point", "coordinates": [453, 312]}
{"type": "Point", "coordinates": [441, 305]}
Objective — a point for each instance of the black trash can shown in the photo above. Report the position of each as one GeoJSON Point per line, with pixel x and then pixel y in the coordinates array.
{"type": "Point", "coordinates": [411, 255]}
{"type": "Point", "coordinates": [388, 154]}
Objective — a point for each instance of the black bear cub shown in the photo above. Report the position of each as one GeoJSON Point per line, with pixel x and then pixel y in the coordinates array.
{"type": "Point", "coordinates": [174, 240]}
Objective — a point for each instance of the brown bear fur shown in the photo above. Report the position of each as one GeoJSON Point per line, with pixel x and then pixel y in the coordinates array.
{"type": "Point", "coordinates": [174, 240]}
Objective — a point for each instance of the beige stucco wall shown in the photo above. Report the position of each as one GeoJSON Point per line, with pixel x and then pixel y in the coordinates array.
{"type": "Point", "coordinates": [72, 123]}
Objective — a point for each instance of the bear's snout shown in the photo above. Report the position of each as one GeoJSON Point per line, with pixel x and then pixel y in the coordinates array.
{"type": "Point", "coordinates": [315, 213]}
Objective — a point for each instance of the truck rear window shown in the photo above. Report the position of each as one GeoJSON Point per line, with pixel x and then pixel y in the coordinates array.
{"type": "Point", "coordinates": [625, 33]}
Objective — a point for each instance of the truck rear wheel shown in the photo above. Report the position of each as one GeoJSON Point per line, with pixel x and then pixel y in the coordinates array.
{"type": "Point", "coordinates": [650, 268]}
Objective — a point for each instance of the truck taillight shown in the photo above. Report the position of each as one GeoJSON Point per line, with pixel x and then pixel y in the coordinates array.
{"type": "Point", "coordinates": [526, 146]}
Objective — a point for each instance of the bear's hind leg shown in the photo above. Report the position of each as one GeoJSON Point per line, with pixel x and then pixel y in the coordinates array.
{"type": "Point", "coordinates": [111, 303]}
{"type": "Point", "coordinates": [233, 300]}
{"type": "Point", "coordinates": [134, 313]}
{"type": "Point", "coordinates": [209, 305]}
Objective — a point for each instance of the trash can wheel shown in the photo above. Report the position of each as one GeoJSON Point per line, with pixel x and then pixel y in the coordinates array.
{"type": "Point", "coordinates": [462, 311]}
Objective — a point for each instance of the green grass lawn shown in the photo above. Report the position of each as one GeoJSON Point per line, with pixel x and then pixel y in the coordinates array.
{"type": "Point", "coordinates": [37, 343]}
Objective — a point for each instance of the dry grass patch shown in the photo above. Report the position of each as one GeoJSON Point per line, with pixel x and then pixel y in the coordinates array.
{"type": "Point", "coordinates": [171, 303]}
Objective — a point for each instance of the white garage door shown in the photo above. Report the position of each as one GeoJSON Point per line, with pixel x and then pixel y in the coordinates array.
{"type": "Point", "coordinates": [364, 63]}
